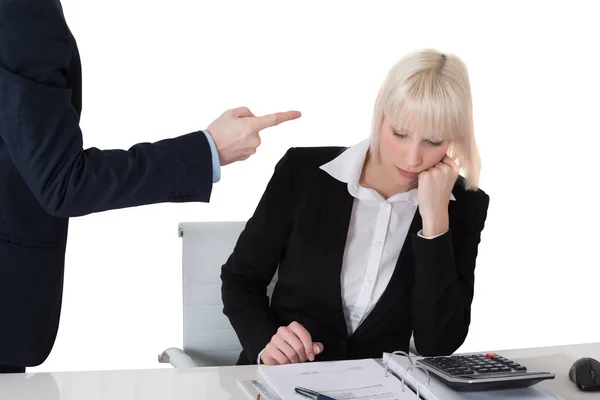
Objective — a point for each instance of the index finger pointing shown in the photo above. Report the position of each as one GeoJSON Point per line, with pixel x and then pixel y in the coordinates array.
{"type": "Point", "coordinates": [269, 120]}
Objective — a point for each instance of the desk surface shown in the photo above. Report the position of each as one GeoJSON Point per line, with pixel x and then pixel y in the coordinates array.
{"type": "Point", "coordinates": [221, 382]}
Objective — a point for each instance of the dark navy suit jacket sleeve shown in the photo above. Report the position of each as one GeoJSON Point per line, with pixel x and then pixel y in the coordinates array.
{"type": "Point", "coordinates": [39, 125]}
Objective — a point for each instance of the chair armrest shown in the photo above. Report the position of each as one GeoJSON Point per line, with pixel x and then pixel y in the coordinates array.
{"type": "Point", "coordinates": [177, 358]}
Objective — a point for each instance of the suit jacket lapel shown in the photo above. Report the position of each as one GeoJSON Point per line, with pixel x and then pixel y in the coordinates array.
{"type": "Point", "coordinates": [401, 279]}
{"type": "Point", "coordinates": [334, 220]}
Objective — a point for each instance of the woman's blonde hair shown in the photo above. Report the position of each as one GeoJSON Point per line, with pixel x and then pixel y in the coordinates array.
{"type": "Point", "coordinates": [430, 91]}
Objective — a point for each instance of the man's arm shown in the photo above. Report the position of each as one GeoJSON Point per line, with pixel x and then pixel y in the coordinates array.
{"type": "Point", "coordinates": [40, 128]}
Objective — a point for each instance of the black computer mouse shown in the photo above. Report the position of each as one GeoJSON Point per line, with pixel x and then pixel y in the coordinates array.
{"type": "Point", "coordinates": [585, 373]}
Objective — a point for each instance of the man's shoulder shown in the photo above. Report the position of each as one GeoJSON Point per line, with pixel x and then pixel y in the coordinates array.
{"type": "Point", "coordinates": [35, 40]}
{"type": "Point", "coordinates": [17, 9]}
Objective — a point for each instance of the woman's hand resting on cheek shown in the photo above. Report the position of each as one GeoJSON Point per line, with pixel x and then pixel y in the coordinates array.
{"type": "Point", "coordinates": [435, 188]}
{"type": "Point", "coordinates": [291, 344]}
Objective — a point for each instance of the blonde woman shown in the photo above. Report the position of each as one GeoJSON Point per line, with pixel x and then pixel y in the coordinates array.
{"type": "Point", "coordinates": [372, 243]}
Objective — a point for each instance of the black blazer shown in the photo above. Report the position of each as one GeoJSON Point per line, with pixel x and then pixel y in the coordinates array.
{"type": "Point", "coordinates": [46, 176]}
{"type": "Point", "coordinates": [300, 226]}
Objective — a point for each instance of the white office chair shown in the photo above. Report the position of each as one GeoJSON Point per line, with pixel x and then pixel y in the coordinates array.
{"type": "Point", "coordinates": [208, 337]}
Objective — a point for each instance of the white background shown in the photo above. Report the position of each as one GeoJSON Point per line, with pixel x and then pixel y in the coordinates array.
{"type": "Point", "coordinates": [156, 69]}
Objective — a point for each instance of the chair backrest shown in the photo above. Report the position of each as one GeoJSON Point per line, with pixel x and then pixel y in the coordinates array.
{"type": "Point", "coordinates": [208, 337]}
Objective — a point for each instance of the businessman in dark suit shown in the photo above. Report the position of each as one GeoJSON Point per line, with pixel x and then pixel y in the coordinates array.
{"type": "Point", "coordinates": [373, 242]}
{"type": "Point", "coordinates": [46, 176]}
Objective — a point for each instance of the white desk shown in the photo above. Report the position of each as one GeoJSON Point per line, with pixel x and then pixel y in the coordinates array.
{"type": "Point", "coordinates": [221, 382]}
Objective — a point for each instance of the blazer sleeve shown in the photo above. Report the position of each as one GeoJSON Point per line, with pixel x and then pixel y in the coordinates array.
{"type": "Point", "coordinates": [444, 282]}
{"type": "Point", "coordinates": [40, 128]}
{"type": "Point", "coordinates": [254, 261]}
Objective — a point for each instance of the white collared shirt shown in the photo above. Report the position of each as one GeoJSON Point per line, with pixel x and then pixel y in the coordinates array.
{"type": "Point", "coordinates": [376, 234]}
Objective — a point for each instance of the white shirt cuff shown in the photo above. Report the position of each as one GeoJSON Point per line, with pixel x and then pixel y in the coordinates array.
{"type": "Point", "coordinates": [260, 355]}
{"type": "Point", "coordinates": [420, 233]}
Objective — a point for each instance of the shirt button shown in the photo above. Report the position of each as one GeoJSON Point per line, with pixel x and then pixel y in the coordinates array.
{"type": "Point", "coordinates": [369, 282]}
{"type": "Point", "coordinates": [355, 316]}
{"type": "Point", "coordinates": [378, 244]}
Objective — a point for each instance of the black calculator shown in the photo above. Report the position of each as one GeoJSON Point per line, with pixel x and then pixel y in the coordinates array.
{"type": "Point", "coordinates": [481, 372]}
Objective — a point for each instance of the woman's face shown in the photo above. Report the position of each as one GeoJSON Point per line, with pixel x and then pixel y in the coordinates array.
{"type": "Point", "coordinates": [405, 154]}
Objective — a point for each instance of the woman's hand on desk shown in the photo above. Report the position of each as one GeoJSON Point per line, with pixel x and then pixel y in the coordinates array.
{"type": "Point", "coordinates": [291, 344]}
{"type": "Point", "coordinates": [435, 189]}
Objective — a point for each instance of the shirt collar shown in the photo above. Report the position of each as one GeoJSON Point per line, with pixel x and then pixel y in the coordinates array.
{"type": "Point", "coordinates": [347, 167]}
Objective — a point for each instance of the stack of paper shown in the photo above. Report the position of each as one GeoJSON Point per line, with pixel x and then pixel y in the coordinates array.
{"type": "Point", "coordinates": [353, 379]}
{"type": "Point", "coordinates": [366, 380]}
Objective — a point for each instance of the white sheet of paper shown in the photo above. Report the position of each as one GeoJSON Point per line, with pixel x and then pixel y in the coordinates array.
{"type": "Point", "coordinates": [341, 380]}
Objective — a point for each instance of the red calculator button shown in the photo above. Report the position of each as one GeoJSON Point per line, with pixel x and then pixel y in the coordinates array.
{"type": "Point", "coordinates": [491, 355]}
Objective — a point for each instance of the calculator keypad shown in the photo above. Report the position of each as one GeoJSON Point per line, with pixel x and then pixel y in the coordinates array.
{"type": "Point", "coordinates": [478, 364]}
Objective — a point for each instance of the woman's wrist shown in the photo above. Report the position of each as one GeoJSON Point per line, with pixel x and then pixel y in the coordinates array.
{"type": "Point", "coordinates": [436, 225]}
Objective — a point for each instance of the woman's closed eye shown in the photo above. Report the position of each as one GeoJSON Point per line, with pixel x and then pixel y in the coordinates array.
{"type": "Point", "coordinates": [434, 143]}
{"type": "Point", "coordinates": [429, 142]}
